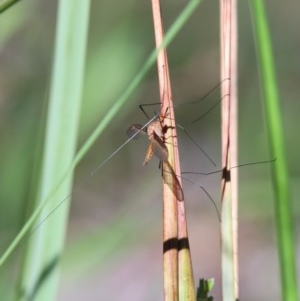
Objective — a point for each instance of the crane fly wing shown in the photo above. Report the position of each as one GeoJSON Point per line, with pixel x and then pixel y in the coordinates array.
{"type": "Point", "coordinates": [169, 176]}
{"type": "Point", "coordinates": [159, 148]}
{"type": "Point", "coordinates": [136, 130]}
{"type": "Point", "coordinates": [171, 180]}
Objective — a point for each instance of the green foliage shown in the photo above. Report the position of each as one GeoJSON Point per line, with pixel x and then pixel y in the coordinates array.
{"type": "Point", "coordinates": [204, 288]}
{"type": "Point", "coordinates": [280, 175]}
{"type": "Point", "coordinates": [39, 276]}
{"type": "Point", "coordinates": [7, 4]}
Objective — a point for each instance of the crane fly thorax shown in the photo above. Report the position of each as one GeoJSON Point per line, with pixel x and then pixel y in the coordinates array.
{"type": "Point", "coordinates": [155, 127]}
{"type": "Point", "coordinates": [156, 136]}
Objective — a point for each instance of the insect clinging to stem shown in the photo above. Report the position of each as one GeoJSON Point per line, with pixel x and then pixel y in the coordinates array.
{"type": "Point", "coordinates": [155, 131]}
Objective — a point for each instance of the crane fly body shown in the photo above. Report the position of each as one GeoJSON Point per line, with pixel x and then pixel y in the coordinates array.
{"type": "Point", "coordinates": [155, 133]}
{"type": "Point", "coordinates": [156, 136]}
{"type": "Point", "coordinates": [156, 146]}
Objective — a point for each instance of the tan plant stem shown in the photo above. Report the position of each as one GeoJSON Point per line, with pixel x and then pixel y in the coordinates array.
{"type": "Point", "coordinates": [178, 275]}
{"type": "Point", "coordinates": [229, 188]}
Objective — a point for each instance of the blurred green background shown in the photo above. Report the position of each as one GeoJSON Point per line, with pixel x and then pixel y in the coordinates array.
{"type": "Point", "coordinates": [114, 242]}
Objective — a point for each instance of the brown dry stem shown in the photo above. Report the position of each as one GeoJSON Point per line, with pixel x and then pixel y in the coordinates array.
{"type": "Point", "coordinates": [178, 275]}
{"type": "Point", "coordinates": [229, 191]}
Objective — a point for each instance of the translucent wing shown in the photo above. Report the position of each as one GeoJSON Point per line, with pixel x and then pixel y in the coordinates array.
{"type": "Point", "coordinates": [136, 130]}
{"type": "Point", "coordinates": [159, 148]}
{"type": "Point", "coordinates": [171, 180]}
{"type": "Point", "coordinates": [169, 176]}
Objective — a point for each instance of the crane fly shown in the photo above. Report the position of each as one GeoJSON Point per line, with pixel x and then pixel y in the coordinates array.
{"type": "Point", "coordinates": [155, 132]}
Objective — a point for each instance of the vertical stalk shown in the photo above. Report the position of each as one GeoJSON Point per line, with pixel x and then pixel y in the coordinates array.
{"type": "Point", "coordinates": [229, 184]}
{"type": "Point", "coordinates": [178, 274]}
{"type": "Point", "coordinates": [170, 223]}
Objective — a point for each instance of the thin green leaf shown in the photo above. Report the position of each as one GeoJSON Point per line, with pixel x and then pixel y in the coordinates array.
{"type": "Point", "coordinates": [7, 4]}
{"type": "Point", "coordinates": [283, 207]}
{"type": "Point", "coordinates": [205, 286]}
{"type": "Point", "coordinates": [39, 275]}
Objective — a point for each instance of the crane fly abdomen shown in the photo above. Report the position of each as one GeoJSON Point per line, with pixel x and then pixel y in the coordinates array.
{"type": "Point", "coordinates": [158, 148]}
{"type": "Point", "coordinates": [149, 154]}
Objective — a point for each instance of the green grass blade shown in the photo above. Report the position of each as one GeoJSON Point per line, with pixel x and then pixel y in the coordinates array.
{"type": "Point", "coordinates": [40, 275]}
{"type": "Point", "coordinates": [285, 237]}
{"type": "Point", "coordinates": [7, 4]}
